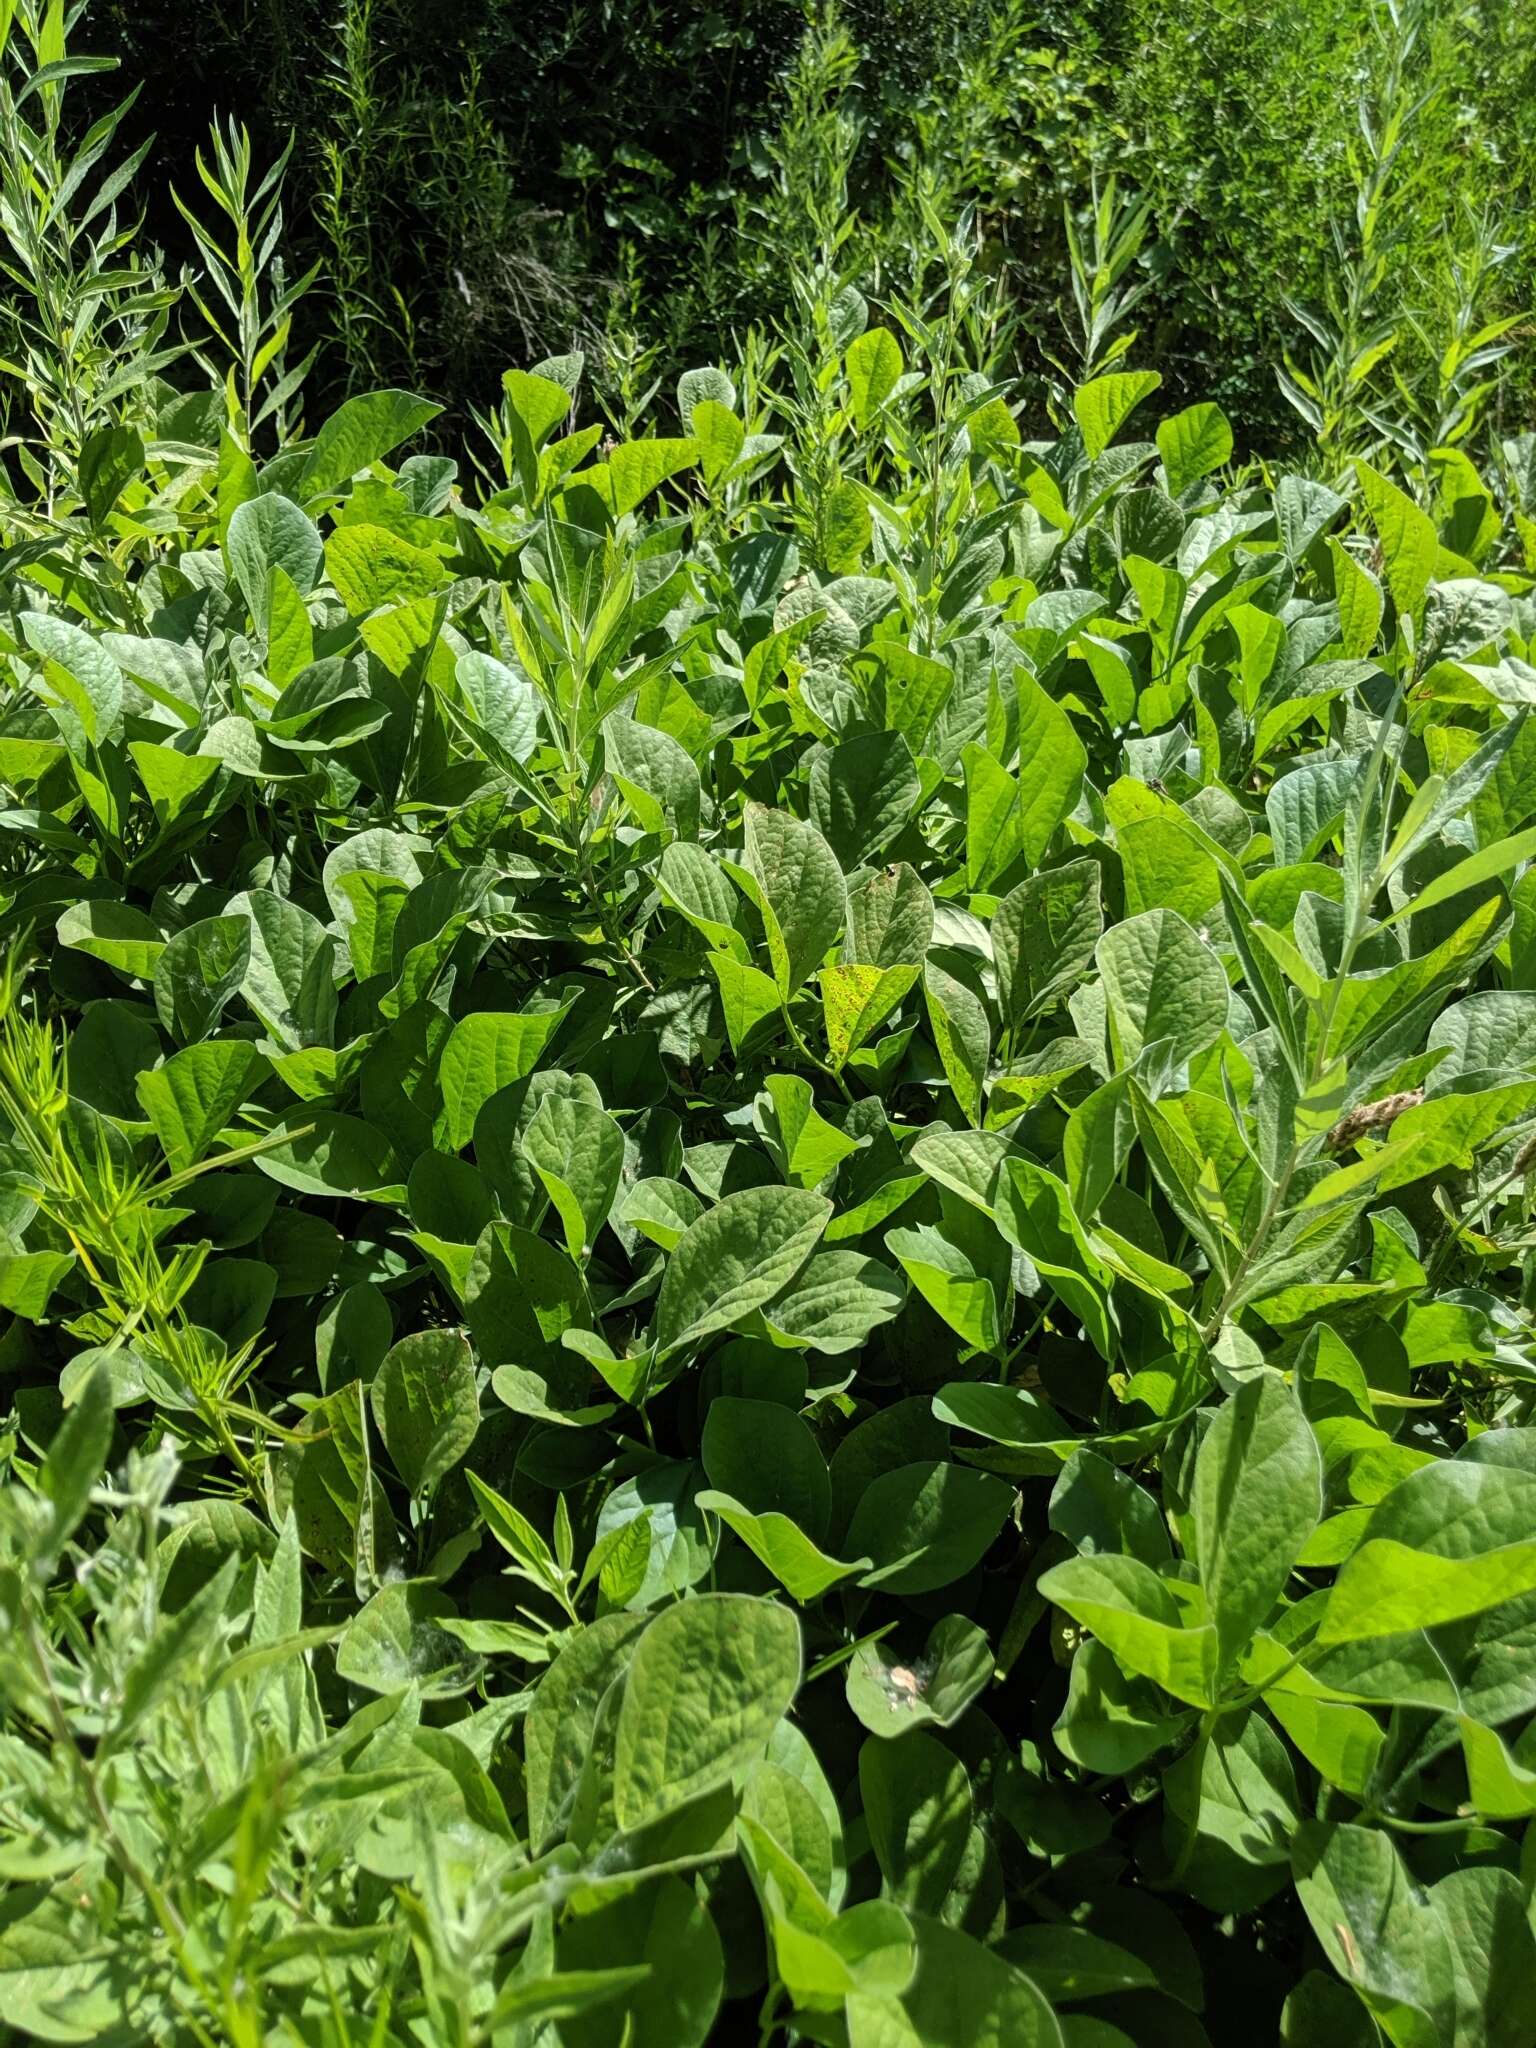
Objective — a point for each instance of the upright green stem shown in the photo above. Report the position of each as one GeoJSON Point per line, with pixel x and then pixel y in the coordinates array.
{"type": "Point", "coordinates": [821, 1066]}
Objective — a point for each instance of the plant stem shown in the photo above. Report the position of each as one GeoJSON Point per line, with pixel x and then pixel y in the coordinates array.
{"type": "Point", "coordinates": [821, 1066]}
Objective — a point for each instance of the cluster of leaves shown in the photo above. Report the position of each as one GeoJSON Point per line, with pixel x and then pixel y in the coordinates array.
{"type": "Point", "coordinates": [766, 1232]}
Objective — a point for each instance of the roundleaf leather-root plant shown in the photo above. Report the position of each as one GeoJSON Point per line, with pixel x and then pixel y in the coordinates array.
{"type": "Point", "coordinates": [766, 1227]}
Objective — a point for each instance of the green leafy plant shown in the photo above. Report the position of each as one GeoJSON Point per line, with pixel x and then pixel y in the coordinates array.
{"type": "Point", "coordinates": [251, 319]}
{"type": "Point", "coordinates": [766, 1207]}
{"type": "Point", "coordinates": [86, 308]}
{"type": "Point", "coordinates": [1354, 333]}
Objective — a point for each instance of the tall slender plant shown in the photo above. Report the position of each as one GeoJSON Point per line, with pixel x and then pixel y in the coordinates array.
{"type": "Point", "coordinates": [244, 292]}
{"type": "Point", "coordinates": [1361, 321]}
{"type": "Point", "coordinates": [86, 316]}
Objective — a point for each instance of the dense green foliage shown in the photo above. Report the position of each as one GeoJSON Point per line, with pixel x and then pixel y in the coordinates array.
{"type": "Point", "coordinates": [639, 178]}
{"type": "Point", "coordinates": [765, 1188]}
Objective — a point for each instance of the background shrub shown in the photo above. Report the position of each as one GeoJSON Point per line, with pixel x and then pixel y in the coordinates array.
{"type": "Point", "coordinates": [494, 181]}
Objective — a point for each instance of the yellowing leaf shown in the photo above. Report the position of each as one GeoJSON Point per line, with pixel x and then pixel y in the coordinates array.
{"type": "Point", "coordinates": [857, 1000]}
